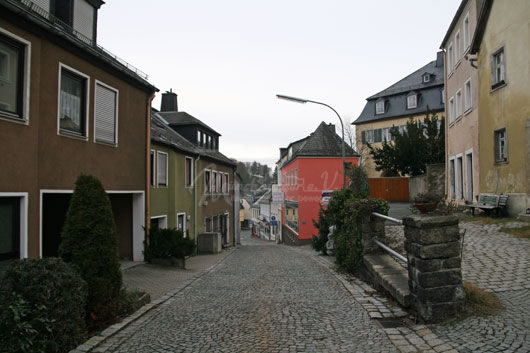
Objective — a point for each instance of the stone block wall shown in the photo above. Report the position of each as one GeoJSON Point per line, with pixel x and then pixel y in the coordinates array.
{"type": "Point", "coordinates": [434, 265]}
{"type": "Point", "coordinates": [372, 228]}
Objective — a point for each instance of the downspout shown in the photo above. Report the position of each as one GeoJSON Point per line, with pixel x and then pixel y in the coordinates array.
{"type": "Point", "coordinates": [195, 207]}
{"type": "Point", "coordinates": [148, 170]}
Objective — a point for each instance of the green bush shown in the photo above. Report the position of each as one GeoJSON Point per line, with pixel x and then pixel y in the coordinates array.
{"type": "Point", "coordinates": [167, 243]}
{"type": "Point", "coordinates": [89, 242]}
{"type": "Point", "coordinates": [42, 307]}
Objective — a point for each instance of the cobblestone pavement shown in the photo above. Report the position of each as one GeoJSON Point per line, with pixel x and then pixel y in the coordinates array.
{"type": "Point", "coordinates": [496, 262]}
{"type": "Point", "coordinates": [158, 280]}
{"type": "Point", "coordinates": [263, 298]}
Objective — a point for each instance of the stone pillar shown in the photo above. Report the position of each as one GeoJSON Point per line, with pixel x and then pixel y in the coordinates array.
{"type": "Point", "coordinates": [434, 265]}
{"type": "Point", "coordinates": [372, 228]}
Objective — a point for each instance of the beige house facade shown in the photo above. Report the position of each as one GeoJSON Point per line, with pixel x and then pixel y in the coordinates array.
{"type": "Point", "coordinates": [462, 181]}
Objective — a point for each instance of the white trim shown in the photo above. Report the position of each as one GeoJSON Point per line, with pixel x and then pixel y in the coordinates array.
{"type": "Point", "coordinates": [192, 177]}
{"type": "Point", "coordinates": [183, 224]}
{"type": "Point", "coordinates": [164, 224]}
{"type": "Point", "coordinates": [96, 83]}
{"type": "Point", "coordinates": [467, 153]}
{"type": "Point", "coordinates": [27, 79]}
{"type": "Point", "coordinates": [23, 230]}
{"type": "Point", "coordinates": [450, 58]}
{"type": "Point", "coordinates": [167, 169]}
{"type": "Point", "coordinates": [87, 105]}
{"type": "Point", "coordinates": [466, 108]}
{"type": "Point", "coordinates": [138, 217]}
{"type": "Point", "coordinates": [459, 181]}
{"type": "Point", "coordinates": [452, 194]}
{"type": "Point", "coordinates": [458, 113]}
{"type": "Point", "coordinates": [458, 52]}
{"type": "Point", "coordinates": [467, 43]}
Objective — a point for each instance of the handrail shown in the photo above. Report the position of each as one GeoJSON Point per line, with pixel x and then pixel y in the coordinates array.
{"type": "Point", "coordinates": [392, 252]}
{"type": "Point", "coordinates": [391, 219]}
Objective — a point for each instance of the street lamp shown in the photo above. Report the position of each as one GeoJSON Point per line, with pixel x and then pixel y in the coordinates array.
{"type": "Point", "coordinates": [301, 100]}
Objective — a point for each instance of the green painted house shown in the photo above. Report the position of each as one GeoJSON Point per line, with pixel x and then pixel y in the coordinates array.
{"type": "Point", "coordinates": [191, 181]}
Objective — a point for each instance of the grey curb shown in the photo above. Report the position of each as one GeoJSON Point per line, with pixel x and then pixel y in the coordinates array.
{"type": "Point", "coordinates": [97, 343]}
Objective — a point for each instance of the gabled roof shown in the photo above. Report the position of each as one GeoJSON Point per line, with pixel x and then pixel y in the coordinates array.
{"type": "Point", "coordinates": [395, 96]}
{"type": "Point", "coordinates": [323, 142]}
{"type": "Point", "coordinates": [183, 118]}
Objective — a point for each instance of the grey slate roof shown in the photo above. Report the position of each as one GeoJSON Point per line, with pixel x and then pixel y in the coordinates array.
{"type": "Point", "coordinates": [163, 134]}
{"type": "Point", "coordinates": [183, 118]}
{"type": "Point", "coordinates": [395, 96]}
{"type": "Point", "coordinates": [323, 142]}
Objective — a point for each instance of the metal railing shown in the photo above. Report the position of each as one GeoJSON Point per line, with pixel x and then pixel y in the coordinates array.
{"type": "Point", "coordinates": [38, 13]}
{"type": "Point", "coordinates": [385, 247]}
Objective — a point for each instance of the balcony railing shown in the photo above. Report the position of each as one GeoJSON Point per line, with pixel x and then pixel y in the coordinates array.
{"type": "Point", "coordinates": [38, 13]}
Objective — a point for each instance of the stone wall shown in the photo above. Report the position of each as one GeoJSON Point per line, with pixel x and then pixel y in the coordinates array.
{"type": "Point", "coordinates": [434, 265]}
{"type": "Point", "coordinates": [433, 180]}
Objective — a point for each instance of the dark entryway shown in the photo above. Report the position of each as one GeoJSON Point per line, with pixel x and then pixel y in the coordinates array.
{"type": "Point", "coordinates": [9, 228]}
{"type": "Point", "coordinates": [122, 210]}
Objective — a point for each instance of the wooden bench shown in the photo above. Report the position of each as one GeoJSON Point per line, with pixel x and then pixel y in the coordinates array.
{"type": "Point", "coordinates": [491, 203]}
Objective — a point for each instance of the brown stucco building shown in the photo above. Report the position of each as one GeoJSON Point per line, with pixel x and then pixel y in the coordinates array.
{"type": "Point", "coordinates": [67, 107]}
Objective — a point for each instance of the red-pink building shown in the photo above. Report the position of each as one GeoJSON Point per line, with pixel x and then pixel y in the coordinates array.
{"type": "Point", "coordinates": [311, 169]}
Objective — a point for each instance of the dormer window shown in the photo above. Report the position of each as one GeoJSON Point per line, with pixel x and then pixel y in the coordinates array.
{"type": "Point", "coordinates": [412, 101]}
{"type": "Point", "coordinates": [290, 152]}
{"type": "Point", "coordinates": [426, 78]}
{"type": "Point", "coordinates": [380, 106]}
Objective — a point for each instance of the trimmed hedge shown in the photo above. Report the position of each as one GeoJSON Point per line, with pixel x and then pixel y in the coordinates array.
{"type": "Point", "coordinates": [42, 307]}
{"type": "Point", "coordinates": [90, 244]}
{"type": "Point", "coordinates": [167, 243]}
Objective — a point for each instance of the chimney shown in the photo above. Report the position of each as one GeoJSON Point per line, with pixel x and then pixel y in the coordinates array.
{"type": "Point", "coordinates": [332, 127]}
{"type": "Point", "coordinates": [169, 102]}
{"type": "Point", "coordinates": [440, 59]}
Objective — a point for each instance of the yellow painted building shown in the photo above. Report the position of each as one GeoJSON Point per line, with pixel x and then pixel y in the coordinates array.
{"type": "Point", "coordinates": [502, 46]}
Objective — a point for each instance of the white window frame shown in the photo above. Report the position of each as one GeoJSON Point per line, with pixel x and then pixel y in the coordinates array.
{"type": "Point", "coordinates": [24, 119]}
{"type": "Point", "coordinates": [96, 83]}
{"type": "Point", "coordinates": [458, 100]}
{"type": "Point", "coordinates": [450, 58]}
{"type": "Point", "coordinates": [183, 223]}
{"type": "Point", "coordinates": [410, 101]}
{"type": "Point", "coordinates": [206, 191]}
{"type": "Point", "coordinates": [87, 105]}
{"type": "Point", "coordinates": [452, 186]}
{"type": "Point", "coordinates": [468, 97]}
{"type": "Point", "coordinates": [158, 153]}
{"type": "Point", "coordinates": [192, 177]}
{"type": "Point", "coordinates": [458, 54]}
{"type": "Point", "coordinates": [467, 33]}
{"type": "Point", "coordinates": [380, 107]}
{"type": "Point", "coordinates": [504, 157]}
{"type": "Point", "coordinates": [163, 224]}
{"type": "Point", "coordinates": [154, 170]}
{"type": "Point", "coordinates": [426, 78]}
{"type": "Point", "coordinates": [459, 178]}
{"type": "Point", "coordinates": [467, 178]}
{"type": "Point", "coordinates": [227, 183]}
{"type": "Point", "coordinates": [502, 81]}
{"type": "Point", "coordinates": [296, 176]}
{"type": "Point", "coordinates": [451, 109]}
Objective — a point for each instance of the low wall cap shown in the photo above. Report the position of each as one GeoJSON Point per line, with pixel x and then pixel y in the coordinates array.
{"type": "Point", "coordinates": [422, 221]}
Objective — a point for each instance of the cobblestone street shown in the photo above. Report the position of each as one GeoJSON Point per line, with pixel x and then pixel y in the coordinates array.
{"type": "Point", "coordinates": [262, 298]}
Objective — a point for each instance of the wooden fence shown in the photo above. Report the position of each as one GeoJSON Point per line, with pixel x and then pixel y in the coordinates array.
{"type": "Point", "coordinates": [390, 189]}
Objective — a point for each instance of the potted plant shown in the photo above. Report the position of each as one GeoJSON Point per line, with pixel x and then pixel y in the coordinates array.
{"type": "Point", "coordinates": [426, 202]}
{"type": "Point", "coordinates": [168, 246]}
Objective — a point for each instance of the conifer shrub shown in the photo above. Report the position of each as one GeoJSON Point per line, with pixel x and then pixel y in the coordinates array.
{"type": "Point", "coordinates": [42, 307]}
{"type": "Point", "coordinates": [89, 243]}
{"type": "Point", "coordinates": [168, 243]}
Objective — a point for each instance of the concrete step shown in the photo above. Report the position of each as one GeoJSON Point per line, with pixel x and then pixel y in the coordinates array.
{"type": "Point", "coordinates": [390, 275]}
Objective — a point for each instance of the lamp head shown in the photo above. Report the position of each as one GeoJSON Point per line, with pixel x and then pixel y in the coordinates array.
{"type": "Point", "coordinates": [291, 99]}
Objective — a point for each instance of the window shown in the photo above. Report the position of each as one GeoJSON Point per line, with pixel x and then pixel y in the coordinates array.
{"type": "Point", "coordinates": [497, 69]}
{"type": "Point", "coordinates": [387, 136]}
{"type": "Point", "coordinates": [380, 107]}
{"type": "Point", "coordinates": [368, 136]}
{"type": "Point", "coordinates": [63, 10]}
{"type": "Point", "coordinates": [215, 225]}
{"type": "Point", "coordinates": [452, 178]}
{"type": "Point", "coordinates": [501, 150]}
{"type": "Point", "coordinates": [451, 109]}
{"type": "Point", "coordinates": [426, 78]}
{"type": "Point", "coordinates": [291, 215]}
{"type": "Point", "coordinates": [207, 182]}
{"type": "Point", "coordinates": [10, 229]}
{"type": "Point", "coordinates": [412, 101]}
{"type": "Point", "coordinates": [208, 224]}
{"type": "Point", "coordinates": [378, 135]}
{"type": "Point", "coordinates": [214, 182]}
{"type": "Point", "coordinates": [467, 33]}
{"type": "Point", "coordinates": [159, 222]}
{"type": "Point", "coordinates": [450, 58]}
{"type": "Point", "coordinates": [181, 223]}
{"type": "Point", "coordinates": [457, 47]}
{"type": "Point", "coordinates": [290, 152]}
{"type": "Point", "coordinates": [72, 102]}
{"type": "Point", "coordinates": [161, 172]}
{"type": "Point", "coordinates": [106, 114]}
{"type": "Point", "coordinates": [467, 95]}
{"type": "Point", "coordinates": [12, 55]}
{"type": "Point", "coordinates": [443, 96]}
{"type": "Point", "coordinates": [227, 184]}
{"type": "Point", "coordinates": [458, 103]}
{"type": "Point", "coordinates": [152, 168]}
{"type": "Point", "coordinates": [189, 172]}
{"type": "Point", "coordinates": [296, 177]}
{"type": "Point", "coordinates": [459, 178]}
{"type": "Point", "coordinates": [221, 184]}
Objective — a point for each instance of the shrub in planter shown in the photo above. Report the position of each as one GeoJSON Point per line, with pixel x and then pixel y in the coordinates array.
{"type": "Point", "coordinates": [168, 243]}
{"type": "Point", "coordinates": [90, 244]}
{"type": "Point", "coordinates": [42, 307]}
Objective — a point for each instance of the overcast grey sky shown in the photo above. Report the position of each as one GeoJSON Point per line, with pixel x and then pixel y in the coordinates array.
{"type": "Point", "coordinates": [228, 59]}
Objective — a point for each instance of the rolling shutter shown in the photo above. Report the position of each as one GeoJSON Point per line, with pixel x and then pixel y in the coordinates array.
{"type": "Point", "coordinates": [105, 114]}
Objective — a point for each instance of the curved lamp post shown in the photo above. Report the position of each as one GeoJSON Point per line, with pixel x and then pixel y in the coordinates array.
{"type": "Point", "coordinates": [301, 100]}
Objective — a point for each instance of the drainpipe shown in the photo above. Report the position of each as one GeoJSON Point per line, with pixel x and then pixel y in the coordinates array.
{"type": "Point", "coordinates": [148, 170]}
{"type": "Point", "coordinates": [195, 207]}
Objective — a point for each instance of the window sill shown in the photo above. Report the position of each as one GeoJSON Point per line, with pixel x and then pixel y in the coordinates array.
{"type": "Point", "coordinates": [13, 118]}
{"type": "Point", "coordinates": [108, 144]}
{"type": "Point", "coordinates": [162, 186]}
{"type": "Point", "coordinates": [450, 73]}
{"type": "Point", "coordinates": [501, 161]}
{"type": "Point", "coordinates": [468, 110]}
{"type": "Point", "coordinates": [497, 87]}
{"type": "Point", "coordinates": [72, 135]}
{"type": "Point", "coordinates": [457, 63]}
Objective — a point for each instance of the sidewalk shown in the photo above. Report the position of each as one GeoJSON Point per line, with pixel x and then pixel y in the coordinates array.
{"type": "Point", "coordinates": [158, 280]}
